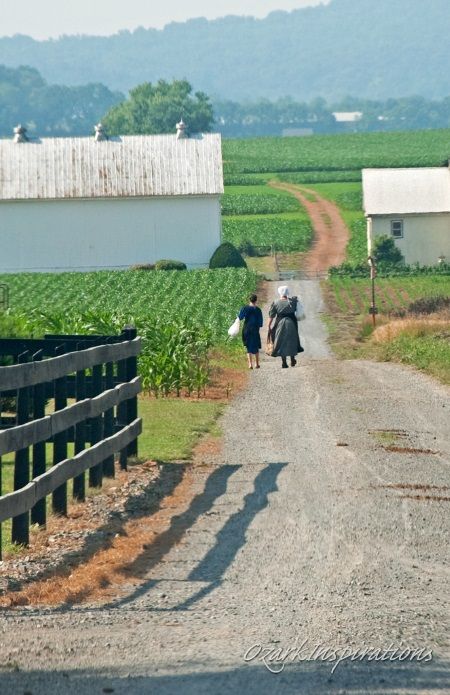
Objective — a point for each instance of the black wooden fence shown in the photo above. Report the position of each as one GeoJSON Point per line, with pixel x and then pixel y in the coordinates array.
{"type": "Point", "coordinates": [92, 384]}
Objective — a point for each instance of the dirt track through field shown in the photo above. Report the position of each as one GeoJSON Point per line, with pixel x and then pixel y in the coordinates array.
{"type": "Point", "coordinates": [331, 234]}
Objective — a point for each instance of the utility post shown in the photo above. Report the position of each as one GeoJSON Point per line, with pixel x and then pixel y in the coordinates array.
{"type": "Point", "coordinates": [373, 273]}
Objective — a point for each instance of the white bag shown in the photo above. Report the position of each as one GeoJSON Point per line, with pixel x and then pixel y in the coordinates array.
{"type": "Point", "coordinates": [233, 330]}
{"type": "Point", "coordinates": [300, 311]}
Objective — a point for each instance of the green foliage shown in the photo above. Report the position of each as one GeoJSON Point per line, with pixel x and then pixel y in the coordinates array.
{"type": "Point", "coordinates": [154, 109]}
{"type": "Point", "coordinates": [385, 250]}
{"type": "Point", "coordinates": [226, 256]}
{"type": "Point", "coordinates": [178, 315]}
{"type": "Point", "coordinates": [258, 203]}
{"type": "Point", "coordinates": [285, 234]}
{"type": "Point", "coordinates": [25, 97]}
{"type": "Point", "coordinates": [170, 265]}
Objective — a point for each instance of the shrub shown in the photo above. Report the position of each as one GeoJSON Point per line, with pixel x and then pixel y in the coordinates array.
{"type": "Point", "coordinates": [384, 249]}
{"type": "Point", "coordinates": [227, 256]}
{"type": "Point", "coordinates": [170, 265]}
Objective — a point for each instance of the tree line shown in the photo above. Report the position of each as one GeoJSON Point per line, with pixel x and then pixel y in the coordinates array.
{"type": "Point", "coordinates": [58, 110]}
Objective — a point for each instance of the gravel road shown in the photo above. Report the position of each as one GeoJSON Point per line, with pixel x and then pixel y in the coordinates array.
{"type": "Point", "coordinates": [307, 531]}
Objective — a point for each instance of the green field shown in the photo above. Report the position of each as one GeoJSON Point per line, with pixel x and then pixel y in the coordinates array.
{"type": "Point", "coordinates": [323, 153]}
{"type": "Point", "coordinates": [285, 232]}
{"type": "Point", "coordinates": [392, 294]}
{"type": "Point", "coordinates": [179, 314]}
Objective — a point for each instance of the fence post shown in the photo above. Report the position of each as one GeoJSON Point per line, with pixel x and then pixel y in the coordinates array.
{"type": "Point", "coordinates": [20, 524]}
{"type": "Point", "coordinates": [79, 483]}
{"type": "Point", "coordinates": [130, 333]}
{"type": "Point", "coordinates": [39, 512]}
{"type": "Point", "coordinates": [108, 463]}
{"type": "Point", "coordinates": [59, 501]}
{"type": "Point", "coordinates": [96, 472]}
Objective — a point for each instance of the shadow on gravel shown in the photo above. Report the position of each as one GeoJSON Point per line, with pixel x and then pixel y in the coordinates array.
{"type": "Point", "coordinates": [387, 678]}
{"type": "Point", "coordinates": [229, 539]}
{"type": "Point", "coordinates": [232, 535]}
{"type": "Point", "coordinates": [215, 487]}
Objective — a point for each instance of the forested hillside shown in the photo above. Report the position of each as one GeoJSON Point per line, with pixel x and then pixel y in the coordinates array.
{"type": "Point", "coordinates": [365, 48]}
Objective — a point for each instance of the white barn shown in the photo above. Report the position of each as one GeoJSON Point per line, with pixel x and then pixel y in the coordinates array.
{"type": "Point", "coordinates": [92, 203]}
{"type": "Point", "coordinates": [413, 207]}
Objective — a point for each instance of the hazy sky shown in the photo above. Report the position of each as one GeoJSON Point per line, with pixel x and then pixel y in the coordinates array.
{"type": "Point", "coordinates": [45, 18]}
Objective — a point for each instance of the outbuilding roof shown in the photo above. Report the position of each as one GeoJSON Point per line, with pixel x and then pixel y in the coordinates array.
{"type": "Point", "coordinates": [131, 166]}
{"type": "Point", "coordinates": [406, 191]}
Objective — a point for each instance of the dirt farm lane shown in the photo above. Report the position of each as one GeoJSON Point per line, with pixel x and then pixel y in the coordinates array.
{"type": "Point", "coordinates": [325, 521]}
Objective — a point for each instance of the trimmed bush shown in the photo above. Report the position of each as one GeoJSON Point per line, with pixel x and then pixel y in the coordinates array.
{"type": "Point", "coordinates": [384, 249]}
{"type": "Point", "coordinates": [227, 256]}
{"type": "Point", "coordinates": [170, 265]}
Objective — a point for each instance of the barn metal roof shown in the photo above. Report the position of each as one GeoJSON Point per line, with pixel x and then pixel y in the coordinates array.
{"type": "Point", "coordinates": [131, 166]}
{"type": "Point", "coordinates": [406, 191]}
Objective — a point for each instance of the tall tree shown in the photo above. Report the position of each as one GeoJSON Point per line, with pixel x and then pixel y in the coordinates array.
{"type": "Point", "coordinates": [153, 109]}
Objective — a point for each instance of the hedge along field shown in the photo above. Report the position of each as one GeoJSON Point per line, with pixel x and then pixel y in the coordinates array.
{"type": "Point", "coordinates": [179, 314]}
{"type": "Point", "coordinates": [337, 152]}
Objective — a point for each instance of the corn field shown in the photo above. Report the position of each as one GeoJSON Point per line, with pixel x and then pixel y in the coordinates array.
{"type": "Point", "coordinates": [179, 314]}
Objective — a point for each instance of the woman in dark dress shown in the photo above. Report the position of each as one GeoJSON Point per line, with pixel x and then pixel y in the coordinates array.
{"type": "Point", "coordinates": [283, 327]}
{"type": "Point", "coordinates": [253, 321]}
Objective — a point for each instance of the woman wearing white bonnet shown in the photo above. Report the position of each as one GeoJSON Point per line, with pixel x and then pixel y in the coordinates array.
{"type": "Point", "coordinates": [283, 327]}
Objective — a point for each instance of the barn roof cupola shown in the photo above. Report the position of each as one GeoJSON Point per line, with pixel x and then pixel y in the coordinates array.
{"type": "Point", "coordinates": [182, 132]}
{"type": "Point", "coordinates": [100, 133]}
{"type": "Point", "coordinates": [20, 134]}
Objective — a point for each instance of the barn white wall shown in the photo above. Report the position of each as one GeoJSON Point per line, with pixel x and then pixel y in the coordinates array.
{"type": "Point", "coordinates": [425, 237]}
{"type": "Point", "coordinates": [93, 234]}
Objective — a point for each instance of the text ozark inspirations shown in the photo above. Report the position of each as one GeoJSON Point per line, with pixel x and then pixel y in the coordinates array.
{"type": "Point", "coordinates": [276, 658]}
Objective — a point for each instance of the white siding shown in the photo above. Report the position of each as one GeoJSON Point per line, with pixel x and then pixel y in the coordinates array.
{"type": "Point", "coordinates": [425, 237]}
{"type": "Point", "coordinates": [94, 234]}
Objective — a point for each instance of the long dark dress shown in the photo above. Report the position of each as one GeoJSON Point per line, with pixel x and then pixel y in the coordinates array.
{"type": "Point", "coordinates": [286, 341]}
{"type": "Point", "coordinates": [253, 321]}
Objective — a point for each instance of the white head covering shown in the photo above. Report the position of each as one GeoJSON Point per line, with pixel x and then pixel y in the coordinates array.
{"type": "Point", "coordinates": [283, 291]}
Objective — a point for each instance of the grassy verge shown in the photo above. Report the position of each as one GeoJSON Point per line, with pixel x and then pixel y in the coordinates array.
{"type": "Point", "coordinates": [173, 426]}
{"type": "Point", "coordinates": [422, 341]}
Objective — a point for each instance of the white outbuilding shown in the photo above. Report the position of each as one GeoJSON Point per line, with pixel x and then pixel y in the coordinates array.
{"type": "Point", "coordinates": [413, 207]}
{"type": "Point", "coordinates": [92, 203]}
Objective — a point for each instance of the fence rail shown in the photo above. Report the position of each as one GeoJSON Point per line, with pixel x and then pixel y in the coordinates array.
{"type": "Point", "coordinates": [100, 374]}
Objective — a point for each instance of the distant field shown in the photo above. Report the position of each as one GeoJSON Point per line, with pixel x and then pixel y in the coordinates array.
{"type": "Point", "coordinates": [344, 153]}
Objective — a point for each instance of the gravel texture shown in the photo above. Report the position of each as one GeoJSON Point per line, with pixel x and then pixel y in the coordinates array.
{"type": "Point", "coordinates": [306, 530]}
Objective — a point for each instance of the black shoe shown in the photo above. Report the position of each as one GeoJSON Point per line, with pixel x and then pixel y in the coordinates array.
{"type": "Point", "coordinates": [284, 364]}
{"type": "Point", "coordinates": [293, 361]}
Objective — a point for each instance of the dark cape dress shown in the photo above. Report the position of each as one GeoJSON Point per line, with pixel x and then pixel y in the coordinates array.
{"type": "Point", "coordinates": [284, 330]}
{"type": "Point", "coordinates": [253, 321]}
